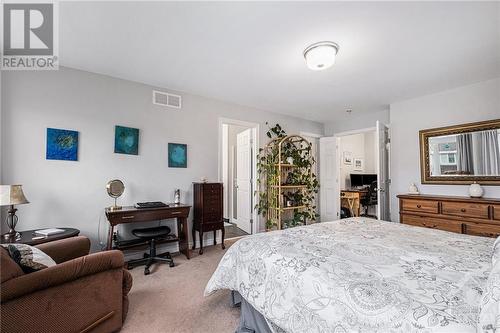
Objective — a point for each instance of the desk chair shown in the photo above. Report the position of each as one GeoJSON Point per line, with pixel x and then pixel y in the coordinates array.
{"type": "Point", "coordinates": [371, 199]}
{"type": "Point", "coordinates": [151, 235]}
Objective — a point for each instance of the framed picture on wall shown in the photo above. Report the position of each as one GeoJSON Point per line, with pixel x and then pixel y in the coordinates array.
{"type": "Point", "coordinates": [347, 157]}
{"type": "Point", "coordinates": [62, 144]}
{"type": "Point", "coordinates": [126, 140]}
{"type": "Point", "coordinates": [358, 164]}
{"type": "Point", "coordinates": [177, 155]}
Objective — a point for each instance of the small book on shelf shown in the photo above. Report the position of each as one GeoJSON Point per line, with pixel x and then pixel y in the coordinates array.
{"type": "Point", "coordinates": [49, 232]}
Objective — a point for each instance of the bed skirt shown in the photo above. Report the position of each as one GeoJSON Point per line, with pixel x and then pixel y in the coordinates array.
{"type": "Point", "coordinates": [251, 320]}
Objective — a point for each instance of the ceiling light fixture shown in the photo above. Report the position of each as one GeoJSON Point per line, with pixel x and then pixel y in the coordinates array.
{"type": "Point", "coordinates": [321, 55]}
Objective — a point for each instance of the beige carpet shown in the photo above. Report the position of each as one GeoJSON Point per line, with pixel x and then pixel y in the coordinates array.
{"type": "Point", "coordinates": [171, 299]}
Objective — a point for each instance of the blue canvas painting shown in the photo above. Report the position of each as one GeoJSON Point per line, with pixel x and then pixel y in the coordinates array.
{"type": "Point", "coordinates": [177, 155]}
{"type": "Point", "coordinates": [126, 140]}
{"type": "Point", "coordinates": [62, 145]}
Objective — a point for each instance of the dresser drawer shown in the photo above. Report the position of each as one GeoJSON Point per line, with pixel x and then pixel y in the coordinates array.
{"type": "Point", "coordinates": [432, 223]}
{"type": "Point", "coordinates": [496, 212]}
{"type": "Point", "coordinates": [118, 217]}
{"type": "Point", "coordinates": [212, 189]}
{"type": "Point", "coordinates": [465, 209]}
{"type": "Point", "coordinates": [485, 230]}
{"type": "Point", "coordinates": [415, 205]}
{"type": "Point", "coordinates": [212, 226]}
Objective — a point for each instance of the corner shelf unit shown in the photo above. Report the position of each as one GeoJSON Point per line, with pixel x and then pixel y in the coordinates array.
{"type": "Point", "coordinates": [278, 210]}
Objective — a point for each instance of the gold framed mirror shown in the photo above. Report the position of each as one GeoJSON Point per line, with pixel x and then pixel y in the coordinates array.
{"type": "Point", "coordinates": [461, 154]}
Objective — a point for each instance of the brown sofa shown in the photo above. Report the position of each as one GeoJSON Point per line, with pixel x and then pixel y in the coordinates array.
{"type": "Point", "coordinates": [82, 293]}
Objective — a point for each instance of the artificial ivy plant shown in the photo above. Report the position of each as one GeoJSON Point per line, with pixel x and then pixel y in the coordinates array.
{"type": "Point", "coordinates": [301, 174]}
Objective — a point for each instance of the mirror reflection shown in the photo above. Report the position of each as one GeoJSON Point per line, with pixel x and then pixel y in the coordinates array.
{"type": "Point", "coordinates": [465, 154]}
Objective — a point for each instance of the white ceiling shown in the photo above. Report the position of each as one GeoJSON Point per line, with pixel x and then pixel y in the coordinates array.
{"type": "Point", "coordinates": [251, 53]}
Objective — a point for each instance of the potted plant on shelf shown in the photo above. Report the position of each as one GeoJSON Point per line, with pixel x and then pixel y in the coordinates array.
{"type": "Point", "coordinates": [285, 171]}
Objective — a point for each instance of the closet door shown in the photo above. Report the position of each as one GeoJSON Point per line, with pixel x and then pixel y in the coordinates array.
{"type": "Point", "coordinates": [329, 189]}
{"type": "Point", "coordinates": [383, 197]}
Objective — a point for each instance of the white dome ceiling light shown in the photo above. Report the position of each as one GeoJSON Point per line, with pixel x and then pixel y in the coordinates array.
{"type": "Point", "coordinates": [321, 55]}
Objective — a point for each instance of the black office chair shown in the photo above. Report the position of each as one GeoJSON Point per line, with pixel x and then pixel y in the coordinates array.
{"type": "Point", "coordinates": [151, 235]}
{"type": "Point", "coordinates": [345, 212]}
{"type": "Point", "coordinates": [371, 199]}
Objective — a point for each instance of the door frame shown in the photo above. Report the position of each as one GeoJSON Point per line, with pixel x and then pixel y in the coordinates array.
{"type": "Point", "coordinates": [339, 157]}
{"type": "Point", "coordinates": [255, 151]}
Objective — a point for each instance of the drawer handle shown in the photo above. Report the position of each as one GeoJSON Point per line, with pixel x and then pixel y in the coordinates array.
{"type": "Point", "coordinates": [128, 217]}
{"type": "Point", "coordinates": [175, 213]}
{"type": "Point", "coordinates": [419, 206]}
{"type": "Point", "coordinates": [430, 226]}
{"type": "Point", "coordinates": [463, 210]}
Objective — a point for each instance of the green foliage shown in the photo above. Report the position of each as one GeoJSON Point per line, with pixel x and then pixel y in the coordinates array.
{"type": "Point", "coordinates": [300, 174]}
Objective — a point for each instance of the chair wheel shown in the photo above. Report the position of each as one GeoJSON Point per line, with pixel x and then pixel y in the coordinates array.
{"type": "Point", "coordinates": [201, 251]}
{"type": "Point", "coordinates": [171, 264]}
{"type": "Point", "coordinates": [146, 271]}
{"type": "Point", "coordinates": [223, 246]}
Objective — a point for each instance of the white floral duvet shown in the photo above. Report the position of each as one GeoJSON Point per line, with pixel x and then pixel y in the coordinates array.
{"type": "Point", "coordinates": [360, 275]}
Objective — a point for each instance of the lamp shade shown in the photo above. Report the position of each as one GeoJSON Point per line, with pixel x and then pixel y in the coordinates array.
{"type": "Point", "coordinates": [12, 195]}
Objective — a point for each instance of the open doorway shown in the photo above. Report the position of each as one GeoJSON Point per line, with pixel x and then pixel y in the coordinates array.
{"type": "Point", "coordinates": [358, 174]}
{"type": "Point", "coordinates": [355, 174]}
{"type": "Point", "coordinates": [237, 173]}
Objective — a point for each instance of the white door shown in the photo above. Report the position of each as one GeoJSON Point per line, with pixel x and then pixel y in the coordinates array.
{"type": "Point", "coordinates": [329, 190]}
{"type": "Point", "coordinates": [244, 180]}
{"type": "Point", "coordinates": [382, 142]}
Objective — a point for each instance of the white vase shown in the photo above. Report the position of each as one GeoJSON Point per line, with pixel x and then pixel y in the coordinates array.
{"type": "Point", "coordinates": [475, 190]}
{"type": "Point", "coordinates": [413, 189]}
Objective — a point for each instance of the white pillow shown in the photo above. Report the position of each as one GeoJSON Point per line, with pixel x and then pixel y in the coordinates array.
{"type": "Point", "coordinates": [28, 257]}
{"type": "Point", "coordinates": [489, 315]}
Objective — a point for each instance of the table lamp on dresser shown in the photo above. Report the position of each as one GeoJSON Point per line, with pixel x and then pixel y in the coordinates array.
{"type": "Point", "coordinates": [11, 195]}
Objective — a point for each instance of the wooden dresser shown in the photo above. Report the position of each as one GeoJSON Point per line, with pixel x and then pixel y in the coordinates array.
{"type": "Point", "coordinates": [208, 211]}
{"type": "Point", "coordinates": [472, 216]}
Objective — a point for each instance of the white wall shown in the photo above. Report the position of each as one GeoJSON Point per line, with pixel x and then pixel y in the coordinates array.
{"type": "Point", "coordinates": [64, 193]}
{"type": "Point", "coordinates": [361, 145]}
{"type": "Point", "coordinates": [370, 148]}
{"type": "Point", "coordinates": [477, 102]}
{"type": "Point", "coordinates": [355, 144]}
{"type": "Point", "coordinates": [354, 121]}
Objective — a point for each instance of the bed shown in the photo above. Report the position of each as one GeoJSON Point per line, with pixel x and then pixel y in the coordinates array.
{"type": "Point", "coordinates": [359, 275]}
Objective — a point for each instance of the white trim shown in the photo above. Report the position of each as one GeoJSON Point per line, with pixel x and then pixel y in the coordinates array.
{"type": "Point", "coordinates": [255, 152]}
{"type": "Point", "coordinates": [311, 135]}
{"type": "Point", "coordinates": [225, 159]}
{"type": "Point", "coordinates": [357, 131]}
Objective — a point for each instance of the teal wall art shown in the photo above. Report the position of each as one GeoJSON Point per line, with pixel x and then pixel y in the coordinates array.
{"type": "Point", "coordinates": [177, 155]}
{"type": "Point", "coordinates": [126, 140]}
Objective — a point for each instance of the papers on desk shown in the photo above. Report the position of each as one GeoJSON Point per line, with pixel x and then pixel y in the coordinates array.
{"type": "Point", "coordinates": [49, 232]}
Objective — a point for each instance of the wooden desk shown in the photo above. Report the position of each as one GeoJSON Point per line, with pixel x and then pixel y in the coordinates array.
{"type": "Point", "coordinates": [131, 214]}
{"type": "Point", "coordinates": [26, 237]}
{"type": "Point", "coordinates": [353, 200]}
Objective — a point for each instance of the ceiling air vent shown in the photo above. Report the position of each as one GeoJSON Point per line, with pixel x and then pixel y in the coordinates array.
{"type": "Point", "coordinates": [165, 99]}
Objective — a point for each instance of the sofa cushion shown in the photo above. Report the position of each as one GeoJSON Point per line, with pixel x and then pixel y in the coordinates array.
{"type": "Point", "coordinates": [29, 258]}
{"type": "Point", "coordinates": [9, 268]}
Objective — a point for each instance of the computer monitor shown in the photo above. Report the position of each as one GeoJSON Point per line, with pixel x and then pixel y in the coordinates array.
{"type": "Point", "coordinates": [356, 180]}
{"type": "Point", "coordinates": [360, 180]}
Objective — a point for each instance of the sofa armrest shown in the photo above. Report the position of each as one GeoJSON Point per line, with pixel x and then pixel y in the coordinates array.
{"type": "Point", "coordinates": [62, 273]}
{"type": "Point", "coordinates": [66, 249]}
